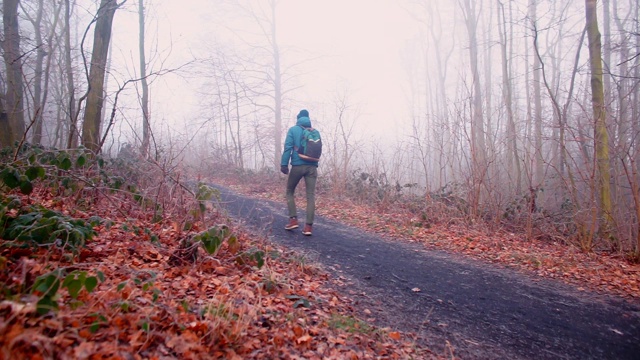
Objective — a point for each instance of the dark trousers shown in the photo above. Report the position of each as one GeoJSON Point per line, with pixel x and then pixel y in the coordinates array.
{"type": "Point", "coordinates": [310, 175]}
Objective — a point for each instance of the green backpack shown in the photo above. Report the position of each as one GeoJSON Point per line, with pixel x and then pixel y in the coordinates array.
{"type": "Point", "coordinates": [310, 145]}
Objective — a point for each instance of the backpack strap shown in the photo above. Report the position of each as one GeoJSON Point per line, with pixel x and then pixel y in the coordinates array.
{"type": "Point", "coordinates": [296, 148]}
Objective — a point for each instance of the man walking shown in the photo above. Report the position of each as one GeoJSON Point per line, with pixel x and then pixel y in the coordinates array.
{"type": "Point", "coordinates": [299, 169]}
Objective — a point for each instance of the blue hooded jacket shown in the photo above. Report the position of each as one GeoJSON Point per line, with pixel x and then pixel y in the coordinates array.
{"type": "Point", "coordinates": [292, 143]}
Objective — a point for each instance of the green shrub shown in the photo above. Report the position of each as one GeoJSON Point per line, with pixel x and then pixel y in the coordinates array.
{"type": "Point", "coordinates": [36, 225]}
{"type": "Point", "coordinates": [46, 287]}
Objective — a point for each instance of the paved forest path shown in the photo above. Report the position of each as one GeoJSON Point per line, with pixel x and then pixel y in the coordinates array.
{"type": "Point", "coordinates": [481, 311]}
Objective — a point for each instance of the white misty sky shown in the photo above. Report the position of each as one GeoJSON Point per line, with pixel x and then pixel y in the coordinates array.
{"type": "Point", "coordinates": [357, 43]}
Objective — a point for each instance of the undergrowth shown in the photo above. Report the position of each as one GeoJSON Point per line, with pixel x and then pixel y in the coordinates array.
{"type": "Point", "coordinates": [79, 180]}
{"type": "Point", "coordinates": [120, 256]}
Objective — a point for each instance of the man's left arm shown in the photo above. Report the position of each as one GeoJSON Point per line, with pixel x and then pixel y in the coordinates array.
{"type": "Point", "coordinates": [288, 149]}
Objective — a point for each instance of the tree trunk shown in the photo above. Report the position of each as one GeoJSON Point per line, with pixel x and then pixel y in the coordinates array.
{"type": "Point", "coordinates": [14, 98]}
{"type": "Point", "coordinates": [478, 146]}
{"type": "Point", "coordinates": [635, 103]}
{"type": "Point", "coordinates": [439, 97]}
{"type": "Point", "coordinates": [606, 56]}
{"type": "Point", "coordinates": [95, 97]}
{"type": "Point", "coordinates": [537, 100]}
{"type": "Point", "coordinates": [239, 128]}
{"type": "Point", "coordinates": [277, 88]}
{"type": "Point", "coordinates": [43, 72]}
{"type": "Point", "coordinates": [624, 88]}
{"type": "Point", "coordinates": [488, 98]}
{"type": "Point", "coordinates": [5, 139]}
{"type": "Point", "coordinates": [514, 159]}
{"type": "Point", "coordinates": [72, 139]}
{"type": "Point", "coordinates": [599, 113]}
{"type": "Point", "coordinates": [37, 82]}
{"type": "Point", "coordinates": [146, 127]}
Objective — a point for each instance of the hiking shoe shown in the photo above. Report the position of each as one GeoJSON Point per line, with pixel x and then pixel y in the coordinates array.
{"type": "Point", "coordinates": [293, 224]}
{"type": "Point", "coordinates": [307, 230]}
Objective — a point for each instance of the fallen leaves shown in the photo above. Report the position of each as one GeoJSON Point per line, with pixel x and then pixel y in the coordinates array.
{"type": "Point", "coordinates": [598, 272]}
{"type": "Point", "coordinates": [303, 339]}
{"type": "Point", "coordinates": [147, 307]}
{"type": "Point", "coordinates": [602, 272]}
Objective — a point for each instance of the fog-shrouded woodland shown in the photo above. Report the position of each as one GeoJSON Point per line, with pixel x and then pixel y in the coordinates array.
{"type": "Point", "coordinates": [519, 114]}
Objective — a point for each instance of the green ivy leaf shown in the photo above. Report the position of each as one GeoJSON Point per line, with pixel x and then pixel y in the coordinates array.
{"type": "Point", "coordinates": [35, 172]}
{"type": "Point", "coordinates": [65, 164]}
{"type": "Point", "coordinates": [90, 283]}
{"type": "Point", "coordinates": [26, 187]}
{"type": "Point", "coordinates": [211, 240]}
{"type": "Point", "coordinates": [259, 255]}
{"type": "Point", "coordinates": [68, 279]}
{"type": "Point", "coordinates": [95, 326]}
{"type": "Point", "coordinates": [206, 192]}
{"type": "Point", "coordinates": [67, 183]}
{"type": "Point", "coordinates": [48, 284]}
{"type": "Point", "coordinates": [81, 161]}
{"type": "Point", "coordinates": [46, 304]}
{"type": "Point", "coordinates": [302, 302]}
{"type": "Point", "coordinates": [74, 287]}
{"type": "Point", "coordinates": [101, 320]}
{"type": "Point", "coordinates": [10, 178]}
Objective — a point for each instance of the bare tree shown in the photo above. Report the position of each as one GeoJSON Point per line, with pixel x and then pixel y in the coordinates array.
{"type": "Point", "coordinates": [144, 101]}
{"type": "Point", "coordinates": [228, 88]}
{"type": "Point", "coordinates": [599, 114]}
{"type": "Point", "coordinates": [265, 67]}
{"type": "Point", "coordinates": [95, 93]}
{"type": "Point", "coordinates": [430, 125]}
{"type": "Point", "coordinates": [343, 147]}
{"type": "Point", "coordinates": [514, 158]}
{"type": "Point", "coordinates": [13, 62]}
{"type": "Point", "coordinates": [72, 139]}
{"type": "Point", "coordinates": [537, 99]}
{"type": "Point", "coordinates": [40, 54]}
{"type": "Point", "coordinates": [478, 144]}
{"type": "Point", "coordinates": [44, 48]}
{"type": "Point", "coordinates": [277, 86]}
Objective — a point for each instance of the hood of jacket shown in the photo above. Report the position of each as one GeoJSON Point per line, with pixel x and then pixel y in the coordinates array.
{"type": "Point", "coordinates": [304, 121]}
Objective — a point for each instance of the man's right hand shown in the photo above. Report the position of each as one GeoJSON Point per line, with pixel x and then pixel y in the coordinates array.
{"type": "Point", "coordinates": [284, 169]}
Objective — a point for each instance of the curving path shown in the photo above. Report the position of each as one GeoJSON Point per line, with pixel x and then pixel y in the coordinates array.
{"type": "Point", "coordinates": [465, 307]}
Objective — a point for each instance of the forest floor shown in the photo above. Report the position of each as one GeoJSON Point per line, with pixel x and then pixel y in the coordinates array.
{"type": "Point", "coordinates": [602, 272]}
{"type": "Point", "coordinates": [460, 291]}
{"type": "Point", "coordinates": [377, 288]}
{"type": "Point", "coordinates": [131, 293]}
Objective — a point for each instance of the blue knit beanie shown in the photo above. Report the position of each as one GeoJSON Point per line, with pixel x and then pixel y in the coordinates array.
{"type": "Point", "coordinates": [303, 113]}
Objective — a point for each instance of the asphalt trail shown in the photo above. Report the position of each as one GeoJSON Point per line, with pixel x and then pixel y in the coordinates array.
{"type": "Point", "coordinates": [476, 310]}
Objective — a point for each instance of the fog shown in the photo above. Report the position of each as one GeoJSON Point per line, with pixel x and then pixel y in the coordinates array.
{"type": "Point", "coordinates": [353, 46]}
{"type": "Point", "coordinates": [519, 109]}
